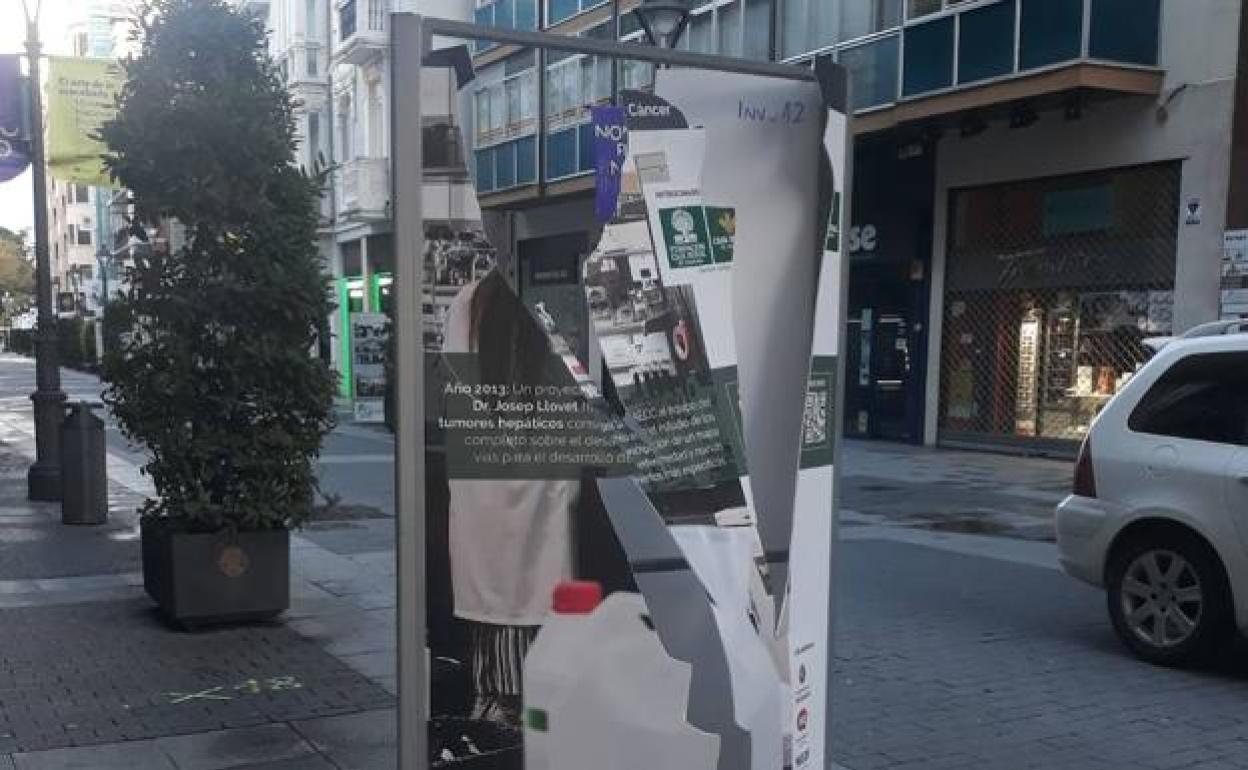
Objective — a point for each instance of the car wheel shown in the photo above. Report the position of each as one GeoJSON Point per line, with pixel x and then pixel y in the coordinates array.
{"type": "Point", "coordinates": [1168, 598]}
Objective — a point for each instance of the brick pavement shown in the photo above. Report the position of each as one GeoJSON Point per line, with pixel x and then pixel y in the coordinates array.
{"type": "Point", "coordinates": [946, 661]}
{"type": "Point", "coordinates": [954, 491]}
{"type": "Point", "coordinates": [84, 674]}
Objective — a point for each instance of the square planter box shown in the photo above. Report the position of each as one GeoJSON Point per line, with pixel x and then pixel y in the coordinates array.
{"type": "Point", "coordinates": [202, 579]}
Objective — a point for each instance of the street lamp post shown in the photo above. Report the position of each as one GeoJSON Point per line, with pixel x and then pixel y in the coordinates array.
{"type": "Point", "coordinates": [43, 482]}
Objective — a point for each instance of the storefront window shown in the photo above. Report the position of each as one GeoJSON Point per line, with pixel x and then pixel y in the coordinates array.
{"type": "Point", "coordinates": [1053, 285]}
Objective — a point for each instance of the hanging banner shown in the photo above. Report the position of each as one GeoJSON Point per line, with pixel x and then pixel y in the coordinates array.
{"type": "Point", "coordinates": [683, 467]}
{"type": "Point", "coordinates": [610, 146]}
{"type": "Point", "coordinates": [82, 96]}
{"type": "Point", "coordinates": [14, 147]}
{"type": "Point", "coordinates": [370, 334]}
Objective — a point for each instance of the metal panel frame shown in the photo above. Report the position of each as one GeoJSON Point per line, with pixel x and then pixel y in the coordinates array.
{"type": "Point", "coordinates": [412, 37]}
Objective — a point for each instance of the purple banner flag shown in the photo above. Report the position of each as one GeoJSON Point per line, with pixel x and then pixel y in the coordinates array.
{"type": "Point", "coordinates": [14, 152]}
{"type": "Point", "coordinates": [610, 147]}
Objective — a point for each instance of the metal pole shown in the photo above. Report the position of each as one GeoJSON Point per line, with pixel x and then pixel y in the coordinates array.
{"type": "Point", "coordinates": [407, 180]}
{"type": "Point", "coordinates": [463, 30]}
{"type": "Point", "coordinates": [615, 65]}
{"type": "Point", "coordinates": [43, 482]}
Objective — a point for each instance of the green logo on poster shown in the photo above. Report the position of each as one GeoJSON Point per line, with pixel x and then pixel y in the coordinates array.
{"type": "Point", "coordinates": [722, 226]}
{"type": "Point", "coordinates": [684, 233]}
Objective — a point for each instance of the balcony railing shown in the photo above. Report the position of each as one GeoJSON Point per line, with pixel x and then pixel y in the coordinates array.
{"type": "Point", "coordinates": [364, 188]}
{"type": "Point", "coordinates": [995, 40]}
{"type": "Point", "coordinates": [362, 26]}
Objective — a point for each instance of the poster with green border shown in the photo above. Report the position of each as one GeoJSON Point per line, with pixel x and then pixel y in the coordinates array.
{"type": "Point", "coordinates": [685, 235]}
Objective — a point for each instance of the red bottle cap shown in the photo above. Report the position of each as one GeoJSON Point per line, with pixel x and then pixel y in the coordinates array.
{"type": "Point", "coordinates": [577, 597]}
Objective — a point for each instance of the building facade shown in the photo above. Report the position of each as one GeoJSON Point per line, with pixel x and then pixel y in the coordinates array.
{"type": "Point", "coordinates": [1039, 185]}
{"type": "Point", "coordinates": [78, 215]}
{"type": "Point", "coordinates": [336, 57]}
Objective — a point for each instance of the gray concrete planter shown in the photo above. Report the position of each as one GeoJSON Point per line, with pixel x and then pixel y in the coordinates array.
{"type": "Point", "coordinates": [201, 579]}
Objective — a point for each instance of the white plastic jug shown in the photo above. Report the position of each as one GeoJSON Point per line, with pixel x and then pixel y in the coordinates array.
{"type": "Point", "coordinates": [601, 692]}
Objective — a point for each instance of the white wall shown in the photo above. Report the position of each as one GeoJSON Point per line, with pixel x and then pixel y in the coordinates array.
{"type": "Point", "coordinates": [1199, 51]}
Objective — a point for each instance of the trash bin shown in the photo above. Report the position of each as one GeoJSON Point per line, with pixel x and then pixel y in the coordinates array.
{"type": "Point", "coordinates": [84, 476]}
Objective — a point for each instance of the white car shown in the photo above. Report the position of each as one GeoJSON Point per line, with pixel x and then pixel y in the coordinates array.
{"type": "Point", "coordinates": [1159, 514]}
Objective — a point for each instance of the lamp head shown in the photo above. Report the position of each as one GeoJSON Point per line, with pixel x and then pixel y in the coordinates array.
{"type": "Point", "coordinates": [663, 21]}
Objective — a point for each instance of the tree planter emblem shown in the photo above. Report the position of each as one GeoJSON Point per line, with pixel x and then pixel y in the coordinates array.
{"type": "Point", "coordinates": [233, 561]}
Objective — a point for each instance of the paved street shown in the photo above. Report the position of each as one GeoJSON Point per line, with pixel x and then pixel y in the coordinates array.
{"type": "Point", "coordinates": [959, 644]}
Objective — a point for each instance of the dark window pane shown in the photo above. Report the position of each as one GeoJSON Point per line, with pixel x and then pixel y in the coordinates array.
{"type": "Point", "coordinates": [757, 28]}
{"type": "Point", "coordinates": [1052, 31]}
{"type": "Point", "coordinates": [485, 170]}
{"type": "Point", "coordinates": [561, 153]}
{"type": "Point", "coordinates": [585, 147]}
{"type": "Point", "coordinates": [526, 14]}
{"type": "Point", "coordinates": [929, 56]}
{"type": "Point", "coordinates": [793, 26]}
{"type": "Point", "coordinates": [917, 8]}
{"type": "Point", "coordinates": [504, 14]}
{"type": "Point", "coordinates": [730, 29]}
{"type": "Point", "coordinates": [986, 43]}
{"type": "Point", "coordinates": [505, 166]}
{"type": "Point", "coordinates": [1125, 30]}
{"type": "Point", "coordinates": [873, 72]}
{"type": "Point", "coordinates": [699, 33]}
{"type": "Point", "coordinates": [1203, 397]}
{"type": "Point", "coordinates": [599, 32]}
{"type": "Point", "coordinates": [558, 10]}
{"type": "Point", "coordinates": [865, 17]}
{"type": "Point", "coordinates": [526, 160]}
{"type": "Point", "coordinates": [520, 62]}
{"type": "Point", "coordinates": [485, 17]}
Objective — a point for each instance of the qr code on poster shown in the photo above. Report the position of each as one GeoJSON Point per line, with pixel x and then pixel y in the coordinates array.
{"type": "Point", "coordinates": [815, 418]}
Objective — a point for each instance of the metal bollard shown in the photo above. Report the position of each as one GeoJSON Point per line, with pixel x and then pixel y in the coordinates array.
{"type": "Point", "coordinates": [84, 475]}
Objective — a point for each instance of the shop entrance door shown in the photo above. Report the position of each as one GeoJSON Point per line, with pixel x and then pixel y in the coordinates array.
{"type": "Point", "coordinates": [883, 374]}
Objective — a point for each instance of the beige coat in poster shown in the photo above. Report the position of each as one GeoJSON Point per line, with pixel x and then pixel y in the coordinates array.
{"type": "Point", "coordinates": [510, 539]}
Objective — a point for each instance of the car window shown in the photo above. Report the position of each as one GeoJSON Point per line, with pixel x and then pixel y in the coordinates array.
{"type": "Point", "coordinates": [1202, 397]}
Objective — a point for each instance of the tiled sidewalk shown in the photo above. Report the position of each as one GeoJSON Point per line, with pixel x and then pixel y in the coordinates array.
{"type": "Point", "coordinates": [90, 677]}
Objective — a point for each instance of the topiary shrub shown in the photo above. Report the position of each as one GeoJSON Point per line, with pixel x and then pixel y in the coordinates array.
{"type": "Point", "coordinates": [211, 361]}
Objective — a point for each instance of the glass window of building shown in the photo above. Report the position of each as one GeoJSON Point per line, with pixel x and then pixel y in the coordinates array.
{"type": "Point", "coordinates": [498, 108]}
{"type": "Point", "coordinates": [81, 193]}
{"type": "Point", "coordinates": [757, 25]}
{"type": "Point", "coordinates": [866, 17]}
{"type": "Point", "coordinates": [793, 27]}
{"type": "Point", "coordinates": [558, 10]}
{"type": "Point", "coordinates": [729, 28]}
{"type": "Point", "coordinates": [700, 37]}
{"type": "Point", "coordinates": [917, 8]}
{"type": "Point", "coordinates": [526, 14]}
{"type": "Point", "coordinates": [314, 135]}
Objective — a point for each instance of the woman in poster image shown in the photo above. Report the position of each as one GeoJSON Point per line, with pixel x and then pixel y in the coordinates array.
{"type": "Point", "coordinates": [510, 539]}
